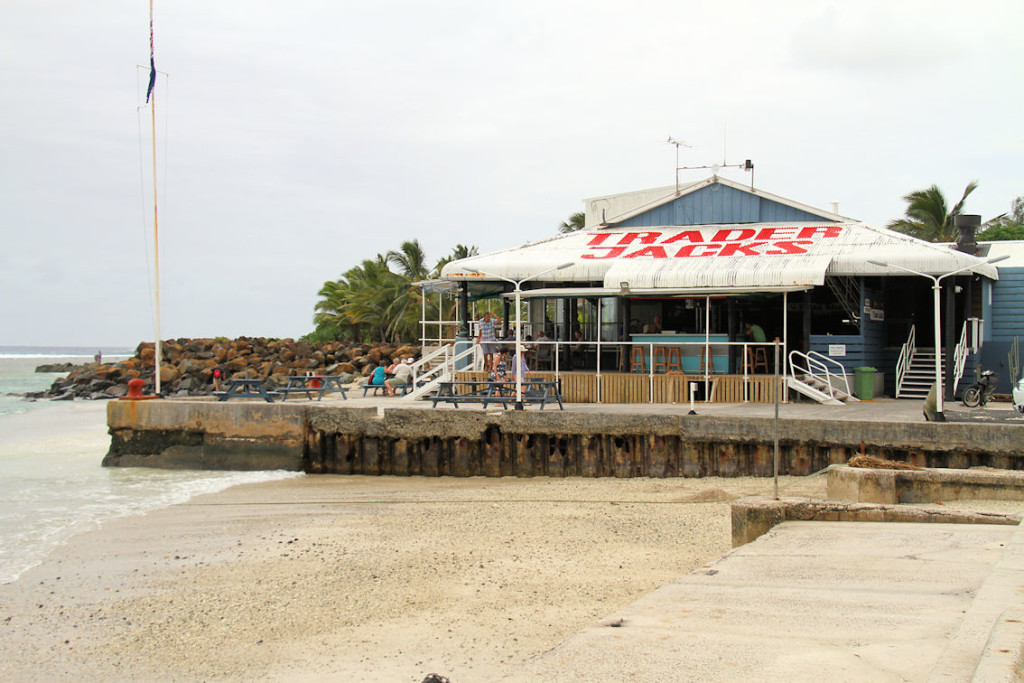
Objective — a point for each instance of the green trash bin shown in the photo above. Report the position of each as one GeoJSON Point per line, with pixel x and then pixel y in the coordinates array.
{"type": "Point", "coordinates": [864, 383]}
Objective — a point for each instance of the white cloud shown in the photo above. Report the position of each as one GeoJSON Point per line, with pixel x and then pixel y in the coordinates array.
{"type": "Point", "coordinates": [308, 137]}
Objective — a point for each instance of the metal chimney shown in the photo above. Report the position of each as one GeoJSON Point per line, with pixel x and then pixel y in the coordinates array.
{"type": "Point", "coordinates": [967, 225]}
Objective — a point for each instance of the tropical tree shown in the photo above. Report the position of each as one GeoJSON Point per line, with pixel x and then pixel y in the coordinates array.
{"type": "Point", "coordinates": [1007, 226]}
{"type": "Point", "coordinates": [576, 222]}
{"type": "Point", "coordinates": [460, 251]}
{"type": "Point", "coordinates": [927, 216]}
{"type": "Point", "coordinates": [354, 305]}
{"type": "Point", "coordinates": [372, 302]}
{"type": "Point", "coordinates": [410, 260]}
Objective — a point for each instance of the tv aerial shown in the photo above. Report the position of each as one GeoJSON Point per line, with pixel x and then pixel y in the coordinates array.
{"type": "Point", "coordinates": [747, 164]}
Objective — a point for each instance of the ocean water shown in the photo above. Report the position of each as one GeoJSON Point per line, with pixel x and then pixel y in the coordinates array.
{"type": "Point", "coordinates": [52, 485]}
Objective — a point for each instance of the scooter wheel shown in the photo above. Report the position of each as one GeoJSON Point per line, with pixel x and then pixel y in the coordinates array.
{"type": "Point", "coordinates": [972, 397]}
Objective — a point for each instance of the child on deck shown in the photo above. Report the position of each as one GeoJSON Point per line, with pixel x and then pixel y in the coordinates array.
{"type": "Point", "coordinates": [499, 369]}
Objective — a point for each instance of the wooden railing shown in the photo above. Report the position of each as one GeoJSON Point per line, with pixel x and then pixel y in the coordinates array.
{"type": "Point", "coordinates": [619, 387]}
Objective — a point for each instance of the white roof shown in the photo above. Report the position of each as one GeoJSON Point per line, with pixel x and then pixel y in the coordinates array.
{"type": "Point", "coordinates": [1014, 249]}
{"type": "Point", "coordinates": [717, 258]}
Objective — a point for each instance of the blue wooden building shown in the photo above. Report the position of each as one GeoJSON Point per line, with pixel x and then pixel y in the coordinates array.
{"type": "Point", "coordinates": [698, 262]}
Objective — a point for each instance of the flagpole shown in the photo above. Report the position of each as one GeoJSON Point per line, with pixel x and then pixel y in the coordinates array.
{"type": "Point", "coordinates": [156, 233]}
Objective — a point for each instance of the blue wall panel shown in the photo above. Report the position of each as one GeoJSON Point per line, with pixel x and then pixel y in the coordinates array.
{"type": "Point", "coordinates": [1008, 305]}
{"type": "Point", "coordinates": [718, 204]}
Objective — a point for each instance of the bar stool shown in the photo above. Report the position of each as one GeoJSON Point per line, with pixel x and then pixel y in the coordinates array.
{"type": "Point", "coordinates": [759, 360]}
{"type": "Point", "coordinates": [660, 359]}
{"type": "Point", "coordinates": [707, 362]}
{"type": "Point", "coordinates": [636, 363]}
{"type": "Point", "coordinates": [675, 359]}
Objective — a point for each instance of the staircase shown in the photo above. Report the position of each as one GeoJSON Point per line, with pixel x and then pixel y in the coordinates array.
{"type": "Point", "coordinates": [919, 375]}
{"type": "Point", "coordinates": [820, 378]}
{"type": "Point", "coordinates": [439, 366]}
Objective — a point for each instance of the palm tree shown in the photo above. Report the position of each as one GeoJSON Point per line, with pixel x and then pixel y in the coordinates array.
{"type": "Point", "coordinates": [576, 222]}
{"type": "Point", "coordinates": [927, 216]}
{"type": "Point", "coordinates": [371, 302]}
{"type": "Point", "coordinates": [411, 261]}
{"type": "Point", "coordinates": [460, 251]}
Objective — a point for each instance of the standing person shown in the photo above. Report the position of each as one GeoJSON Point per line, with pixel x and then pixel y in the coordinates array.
{"type": "Point", "coordinates": [519, 367]}
{"type": "Point", "coordinates": [99, 358]}
{"type": "Point", "coordinates": [486, 338]}
{"type": "Point", "coordinates": [544, 352]}
{"type": "Point", "coordinates": [576, 351]}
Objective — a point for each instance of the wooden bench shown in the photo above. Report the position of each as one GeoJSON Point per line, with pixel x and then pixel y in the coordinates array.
{"type": "Point", "coordinates": [402, 389]}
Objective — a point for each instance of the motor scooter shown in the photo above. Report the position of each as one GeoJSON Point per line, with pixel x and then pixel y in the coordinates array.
{"type": "Point", "coordinates": [979, 393]}
{"type": "Point", "coordinates": [1018, 396]}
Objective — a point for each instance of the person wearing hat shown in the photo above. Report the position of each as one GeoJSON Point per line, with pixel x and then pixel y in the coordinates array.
{"type": "Point", "coordinates": [403, 376]}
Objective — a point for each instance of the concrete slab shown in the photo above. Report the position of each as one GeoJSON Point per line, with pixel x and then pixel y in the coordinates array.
{"type": "Point", "coordinates": [868, 485]}
{"type": "Point", "coordinates": [837, 601]}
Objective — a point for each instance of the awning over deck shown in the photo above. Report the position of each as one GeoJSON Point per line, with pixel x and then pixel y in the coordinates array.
{"type": "Point", "coordinates": [715, 259]}
{"type": "Point", "coordinates": [723, 274]}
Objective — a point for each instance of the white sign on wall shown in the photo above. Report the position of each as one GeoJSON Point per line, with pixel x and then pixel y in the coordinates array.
{"type": "Point", "coordinates": [837, 350]}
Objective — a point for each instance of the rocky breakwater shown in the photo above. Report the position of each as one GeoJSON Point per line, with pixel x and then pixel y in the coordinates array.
{"type": "Point", "coordinates": [187, 365]}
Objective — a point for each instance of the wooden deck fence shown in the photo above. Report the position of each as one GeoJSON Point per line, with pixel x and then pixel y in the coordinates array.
{"type": "Point", "coordinates": [619, 387]}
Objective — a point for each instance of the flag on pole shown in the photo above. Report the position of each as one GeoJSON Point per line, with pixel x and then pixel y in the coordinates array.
{"type": "Point", "coordinates": [152, 79]}
{"type": "Point", "coordinates": [152, 62]}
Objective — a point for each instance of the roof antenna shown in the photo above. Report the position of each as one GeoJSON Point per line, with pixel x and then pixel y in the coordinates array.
{"type": "Point", "coordinates": [747, 165]}
{"type": "Point", "coordinates": [678, 143]}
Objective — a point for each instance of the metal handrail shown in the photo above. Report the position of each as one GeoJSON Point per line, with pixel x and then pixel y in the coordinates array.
{"type": "Point", "coordinates": [817, 361]}
{"type": "Point", "coordinates": [444, 351]}
{"type": "Point", "coordinates": [960, 354]}
{"type": "Point", "coordinates": [906, 354]}
{"type": "Point", "coordinates": [439, 373]}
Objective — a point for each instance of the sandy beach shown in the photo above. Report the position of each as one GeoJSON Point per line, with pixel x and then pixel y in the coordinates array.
{"type": "Point", "coordinates": [360, 578]}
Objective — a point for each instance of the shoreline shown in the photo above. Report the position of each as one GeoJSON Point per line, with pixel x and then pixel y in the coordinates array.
{"type": "Point", "coordinates": [377, 578]}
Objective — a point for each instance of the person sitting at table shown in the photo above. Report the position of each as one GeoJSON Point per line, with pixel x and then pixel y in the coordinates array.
{"type": "Point", "coordinates": [377, 379]}
{"type": "Point", "coordinates": [755, 333]}
{"type": "Point", "coordinates": [402, 376]}
{"type": "Point", "coordinates": [653, 327]}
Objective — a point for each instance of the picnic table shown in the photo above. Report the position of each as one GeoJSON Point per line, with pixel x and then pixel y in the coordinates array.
{"type": "Point", "coordinates": [248, 388]}
{"type": "Point", "coordinates": [501, 392]}
{"type": "Point", "coordinates": [307, 384]}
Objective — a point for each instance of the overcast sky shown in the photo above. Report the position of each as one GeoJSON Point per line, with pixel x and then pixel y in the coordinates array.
{"type": "Point", "coordinates": [296, 139]}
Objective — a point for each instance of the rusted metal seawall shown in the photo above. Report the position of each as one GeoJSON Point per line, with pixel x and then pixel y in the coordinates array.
{"type": "Point", "coordinates": [413, 441]}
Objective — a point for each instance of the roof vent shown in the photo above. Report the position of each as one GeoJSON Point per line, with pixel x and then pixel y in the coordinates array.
{"type": "Point", "coordinates": [967, 225]}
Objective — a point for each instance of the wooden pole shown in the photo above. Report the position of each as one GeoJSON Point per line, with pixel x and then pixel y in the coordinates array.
{"type": "Point", "coordinates": [157, 360]}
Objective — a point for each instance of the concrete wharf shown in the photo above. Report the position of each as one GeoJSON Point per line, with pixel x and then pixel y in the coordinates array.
{"type": "Point", "coordinates": [389, 436]}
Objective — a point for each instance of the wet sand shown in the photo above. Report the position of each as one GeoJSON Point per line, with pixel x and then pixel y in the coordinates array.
{"type": "Point", "coordinates": [360, 578]}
